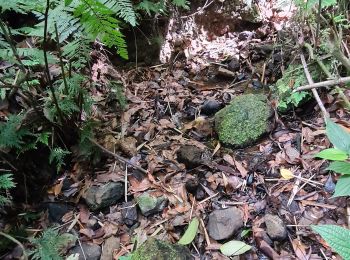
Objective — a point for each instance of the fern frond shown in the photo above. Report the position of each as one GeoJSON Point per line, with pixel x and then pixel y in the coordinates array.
{"type": "Point", "coordinates": [57, 156]}
{"type": "Point", "coordinates": [98, 20]}
{"type": "Point", "coordinates": [29, 56]}
{"type": "Point", "coordinates": [124, 9]}
{"type": "Point", "coordinates": [6, 181]}
{"type": "Point", "coordinates": [49, 245]}
{"type": "Point", "coordinates": [18, 6]}
{"type": "Point", "coordinates": [78, 52]}
{"type": "Point", "coordinates": [11, 133]}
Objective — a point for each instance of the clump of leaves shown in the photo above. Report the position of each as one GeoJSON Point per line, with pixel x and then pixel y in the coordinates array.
{"type": "Point", "coordinates": [6, 183]}
{"type": "Point", "coordinates": [339, 156]}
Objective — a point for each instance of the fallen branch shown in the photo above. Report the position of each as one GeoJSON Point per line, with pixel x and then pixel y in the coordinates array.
{"type": "Point", "coordinates": [118, 157]}
{"type": "Point", "coordinates": [326, 83]}
{"type": "Point", "coordinates": [314, 91]}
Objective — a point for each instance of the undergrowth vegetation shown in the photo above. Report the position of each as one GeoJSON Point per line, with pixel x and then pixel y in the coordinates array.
{"type": "Point", "coordinates": [53, 108]}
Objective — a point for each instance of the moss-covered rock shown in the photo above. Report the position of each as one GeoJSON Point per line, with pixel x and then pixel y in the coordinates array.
{"type": "Point", "coordinates": [244, 120]}
{"type": "Point", "coordinates": [150, 203]}
{"type": "Point", "coordinates": [154, 249]}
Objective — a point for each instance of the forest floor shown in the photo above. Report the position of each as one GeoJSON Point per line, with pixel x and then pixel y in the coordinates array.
{"type": "Point", "coordinates": [176, 163]}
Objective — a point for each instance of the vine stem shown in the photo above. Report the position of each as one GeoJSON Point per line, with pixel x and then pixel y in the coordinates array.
{"type": "Point", "coordinates": [47, 64]}
{"type": "Point", "coordinates": [14, 240]}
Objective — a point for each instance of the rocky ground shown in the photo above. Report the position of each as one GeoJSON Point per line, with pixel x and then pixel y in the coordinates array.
{"type": "Point", "coordinates": [203, 140]}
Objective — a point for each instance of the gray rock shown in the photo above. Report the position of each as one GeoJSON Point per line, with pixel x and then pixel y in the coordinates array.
{"type": "Point", "coordinates": [98, 197]}
{"type": "Point", "coordinates": [91, 251]}
{"type": "Point", "coordinates": [223, 223]}
{"type": "Point", "coordinates": [111, 244]}
{"type": "Point", "coordinates": [57, 211]}
{"type": "Point", "coordinates": [150, 204]}
{"type": "Point", "coordinates": [210, 107]}
{"type": "Point", "coordinates": [276, 229]}
{"type": "Point", "coordinates": [190, 156]}
{"type": "Point", "coordinates": [129, 213]}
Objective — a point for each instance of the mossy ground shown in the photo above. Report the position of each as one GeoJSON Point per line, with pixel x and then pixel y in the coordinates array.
{"type": "Point", "coordinates": [154, 249]}
{"type": "Point", "coordinates": [244, 120]}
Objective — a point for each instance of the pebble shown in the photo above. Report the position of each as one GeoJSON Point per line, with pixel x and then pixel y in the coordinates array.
{"type": "Point", "coordinates": [190, 156]}
{"type": "Point", "coordinates": [111, 244]}
{"type": "Point", "coordinates": [129, 213]}
{"type": "Point", "coordinates": [57, 211]}
{"type": "Point", "coordinates": [98, 197]}
{"type": "Point", "coordinates": [234, 65]}
{"type": "Point", "coordinates": [276, 229]}
{"type": "Point", "coordinates": [224, 223]}
{"type": "Point", "coordinates": [150, 204]}
{"type": "Point", "coordinates": [91, 251]}
{"type": "Point", "coordinates": [210, 107]}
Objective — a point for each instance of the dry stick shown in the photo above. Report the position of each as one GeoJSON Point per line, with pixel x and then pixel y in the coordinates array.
{"type": "Point", "coordinates": [314, 91]}
{"type": "Point", "coordinates": [327, 83]}
{"type": "Point", "coordinates": [118, 157]}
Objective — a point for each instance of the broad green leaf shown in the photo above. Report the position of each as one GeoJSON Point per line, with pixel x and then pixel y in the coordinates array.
{"type": "Point", "coordinates": [339, 167]}
{"type": "Point", "coordinates": [337, 237]}
{"type": "Point", "coordinates": [342, 188]}
{"type": "Point", "coordinates": [333, 154]}
{"type": "Point", "coordinates": [338, 136]}
{"type": "Point", "coordinates": [190, 232]}
{"type": "Point", "coordinates": [234, 247]}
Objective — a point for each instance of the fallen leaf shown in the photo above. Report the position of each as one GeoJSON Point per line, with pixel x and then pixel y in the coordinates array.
{"type": "Point", "coordinates": [286, 174]}
{"type": "Point", "coordinates": [234, 247]}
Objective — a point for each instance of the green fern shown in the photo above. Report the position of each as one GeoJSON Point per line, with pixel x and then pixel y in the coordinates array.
{"type": "Point", "coordinates": [124, 9]}
{"type": "Point", "coordinates": [29, 56]}
{"type": "Point", "coordinates": [50, 244]}
{"type": "Point", "coordinates": [6, 182]}
{"type": "Point", "coordinates": [57, 156]}
{"type": "Point", "coordinates": [78, 52]}
{"type": "Point", "coordinates": [12, 134]}
{"type": "Point", "coordinates": [99, 22]}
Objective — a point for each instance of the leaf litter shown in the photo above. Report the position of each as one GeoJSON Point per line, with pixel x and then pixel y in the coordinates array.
{"type": "Point", "coordinates": [279, 175]}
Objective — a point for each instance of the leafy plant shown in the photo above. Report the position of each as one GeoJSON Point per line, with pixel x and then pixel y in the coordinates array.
{"type": "Point", "coordinates": [6, 183]}
{"type": "Point", "coordinates": [339, 155]}
{"type": "Point", "coordinates": [337, 237]}
{"type": "Point", "coordinates": [50, 244]}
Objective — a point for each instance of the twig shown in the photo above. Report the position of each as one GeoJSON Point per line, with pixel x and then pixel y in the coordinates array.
{"type": "Point", "coordinates": [25, 256]}
{"type": "Point", "coordinates": [314, 91]}
{"type": "Point", "coordinates": [118, 157]}
{"type": "Point", "coordinates": [126, 184]}
{"type": "Point", "coordinates": [201, 9]}
{"type": "Point", "coordinates": [205, 232]}
{"type": "Point", "coordinates": [326, 83]}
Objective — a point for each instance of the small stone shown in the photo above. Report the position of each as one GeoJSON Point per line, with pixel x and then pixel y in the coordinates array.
{"type": "Point", "coordinates": [276, 229]}
{"type": "Point", "coordinates": [329, 186]}
{"type": "Point", "coordinates": [91, 251]}
{"type": "Point", "coordinates": [192, 185]}
{"type": "Point", "coordinates": [98, 197]}
{"type": "Point", "coordinates": [257, 84]}
{"type": "Point", "coordinates": [57, 211]}
{"type": "Point", "coordinates": [111, 244]}
{"type": "Point", "coordinates": [224, 223]}
{"type": "Point", "coordinates": [210, 107]}
{"type": "Point", "coordinates": [190, 156]}
{"type": "Point", "coordinates": [92, 223]}
{"type": "Point", "coordinates": [234, 65]}
{"type": "Point", "coordinates": [154, 249]}
{"type": "Point", "coordinates": [150, 204]}
{"type": "Point", "coordinates": [129, 213]}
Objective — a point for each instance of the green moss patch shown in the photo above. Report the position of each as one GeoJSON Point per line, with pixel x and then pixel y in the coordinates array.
{"type": "Point", "coordinates": [154, 249]}
{"type": "Point", "coordinates": [244, 121]}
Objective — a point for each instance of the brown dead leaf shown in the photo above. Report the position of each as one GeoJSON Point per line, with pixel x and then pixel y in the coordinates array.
{"type": "Point", "coordinates": [138, 186]}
